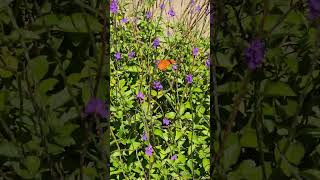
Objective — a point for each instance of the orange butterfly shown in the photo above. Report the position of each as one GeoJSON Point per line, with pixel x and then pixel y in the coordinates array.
{"type": "Point", "coordinates": [164, 64]}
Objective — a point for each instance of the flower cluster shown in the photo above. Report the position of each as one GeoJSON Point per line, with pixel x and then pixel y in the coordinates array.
{"type": "Point", "coordinates": [96, 107]}
{"type": "Point", "coordinates": [255, 53]}
{"type": "Point", "coordinates": [314, 8]}
{"type": "Point", "coordinates": [157, 85]}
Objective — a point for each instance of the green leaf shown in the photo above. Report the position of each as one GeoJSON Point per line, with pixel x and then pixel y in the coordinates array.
{"type": "Point", "coordinates": [9, 149]}
{"type": "Point", "coordinates": [9, 62]}
{"type": "Point", "coordinates": [206, 164]}
{"type": "Point", "coordinates": [170, 115]}
{"type": "Point", "coordinates": [32, 163]}
{"type": "Point", "coordinates": [310, 174]}
{"type": "Point", "coordinates": [77, 23]}
{"type": "Point", "coordinates": [278, 89]}
{"type": "Point", "coordinates": [74, 78]}
{"type": "Point", "coordinates": [55, 149]}
{"type": "Point", "coordinates": [179, 134]}
{"type": "Point", "coordinates": [249, 138]}
{"type": "Point", "coordinates": [133, 146]}
{"type": "Point", "coordinates": [232, 150]}
{"type": "Point", "coordinates": [133, 69]}
{"type": "Point", "coordinates": [158, 132]}
{"type": "Point", "coordinates": [294, 153]}
{"type": "Point", "coordinates": [38, 67]}
{"type": "Point", "coordinates": [47, 85]}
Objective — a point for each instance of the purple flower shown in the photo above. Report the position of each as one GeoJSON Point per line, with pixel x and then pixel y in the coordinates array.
{"type": "Point", "coordinates": [148, 14]}
{"type": "Point", "coordinates": [157, 85]}
{"type": "Point", "coordinates": [174, 157]}
{"type": "Point", "coordinates": [144, 137]}
{"type": "Point", "coordinates": [131, 54]}
{"type": "Point", "coordinates": [192, 2]}
{"type": "Point", "coordinates": [156, 43]}
{"type": "Point", "coordinates": [198, 8]}
{"type": "Point", "coordinates": [117, 56]}
{"type": "Point", "coordinates": [255, 53]}
{"type": "Point", "coordinates": [162, 6]}
{"type": "Point", "coordinates": [314, 8]}
{"type": "Point", "coordinates": [114, 6]}
{"type": "Point", "coordinates": [189, 78]}
{"type": "Point", "coordinates": [140, 96]}
{"type": "Point", "coordinates": [149, 150]}
{"type": "Point", "coordinates": [195, 51]}
{"type": "Point", "coordinates": [165, 121]}
{"type": "Point", "coordinates": [171, 12]}
{"type": "Point", "coordinates": [174, 67]}
{"type": "Point", "coordinates": [97, 107]}
{"type": "Point", "coordinates": [124, 20]}
{"type": "Point", "coordinates": [208, 62]}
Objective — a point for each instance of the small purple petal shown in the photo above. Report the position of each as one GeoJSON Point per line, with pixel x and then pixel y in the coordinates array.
{"type": "Point", "coordinates": [149, 150]}
{"type": "Point", "coordinates": [171, 12]}
{"type": "Point", "coordinates": [156, 43]}
{"type": "Point", "coordinates": [124, 20]}
{"type": "Point", "coordinates": [165, 121]}
{"type": "Point", "coordinates": [117, 56]}
{"type": "Point", "coordinates": [157, 85]}
{"type": "Point", "coordinates": [148, 14]}
{"type": "Point", "coordinates": [114, 7]}
{"type": "Point", "coordinates": [131, 54]}
{"type": "Point", "coordinates": [189, 78]}
{"type": "Point", "coordinates": [174, 157]}
{"type": "Point", "coordinates": [195, 51]}
{"type": "Point", "coordinates": [144, 137]}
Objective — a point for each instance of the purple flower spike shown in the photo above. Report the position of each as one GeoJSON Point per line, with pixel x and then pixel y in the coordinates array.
{"type": "Point", "coordinates": [165, 121]}
{"type": "Point", "coordinates": [175, 67]}
{"type": "Point", "coordinates": [255, 53]}
{"type": "Point", "coordinates": [195, 51]}
{"type": "Point", "coordinates": [162, 6]}
{"type": "Point", "coordinates": [117, 56]}
{"type": "Point", "coordinates": [156, 43]}
{"type": "Point", "coordinates": [198, 8]}
{"type": "Point", "coordinates": [149, 150]}
{"type": "Point", "coordinates": [97, 107]}
{"type": "Point", "coordinates": [114, 6]}
{"type": "Point", "coordinates": [140, 96]}
{"type": "Point", "coordinates": [208, 62]}
{"type": "Point", "coordinates": [189, 78]}
{"type": "Point", "coordinates": [171, 13]}
{"type": "Point", "coordinates": [174, 157]}
{"type": "Point", "coordinates": [314, 9]}
{"type": "Point", "coordinates": [131, 54]}
{"type": "Point", "coordinates": [157, 85]}
{"type": "Point", "coordinates": [124, 20]}
{"type": "Point", "coordinates": [144, 137]}
{"type": "Point", "coordinates": [148, 14]}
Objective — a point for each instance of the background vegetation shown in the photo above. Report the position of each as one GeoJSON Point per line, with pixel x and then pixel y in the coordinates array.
{"type": "Point", "coordinates": [51, 63]}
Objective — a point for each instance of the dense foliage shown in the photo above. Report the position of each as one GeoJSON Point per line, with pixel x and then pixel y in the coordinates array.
{"type": "Point", "coordinates": [159, 118]}
{"type": "Point", "coordinates": [267, 67]}
{"type": "Point", "coordinates": [50, 61]}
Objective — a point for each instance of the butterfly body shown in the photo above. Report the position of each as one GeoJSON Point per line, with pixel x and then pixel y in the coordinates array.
{"type": "Point", "coordinates": [164, 64]}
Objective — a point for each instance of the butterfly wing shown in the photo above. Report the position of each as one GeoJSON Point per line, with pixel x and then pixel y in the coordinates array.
{"type": "Point", "coordinates": [164, 64]}
{"type": "Point", "coordinates": [172, 61]}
